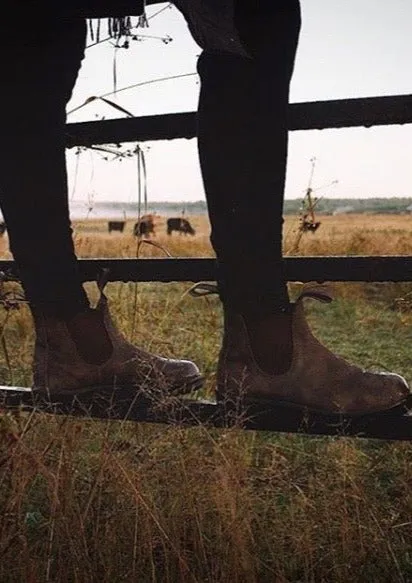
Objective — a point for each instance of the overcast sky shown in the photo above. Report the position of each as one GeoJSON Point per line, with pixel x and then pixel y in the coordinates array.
{"type": "Point", "coordinates": [351, 48]}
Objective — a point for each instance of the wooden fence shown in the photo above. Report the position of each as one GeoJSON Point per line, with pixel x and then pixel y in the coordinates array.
{"type": "Point", "coordinates": [344, 113]}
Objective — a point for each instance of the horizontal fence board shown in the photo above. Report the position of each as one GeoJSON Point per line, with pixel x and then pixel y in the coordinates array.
{"type": "Point", "coordinates": [340, 113]}
{"type": "Point", "coordinates": [118, 405]}
{"type": "Point", "coordinates": [304, 269]}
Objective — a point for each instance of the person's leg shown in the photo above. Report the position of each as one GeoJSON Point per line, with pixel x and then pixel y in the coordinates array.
{"type": "Point", "coordinates": [40, 68]}
{"type": "Point", "coordinates": [242, 138]}
{"type": "Point", "coordinates": [242, 148]}
{"type": "Point", "coordinates": [77, 348]}
{"type": "Point", "coordinates": [268, 352]}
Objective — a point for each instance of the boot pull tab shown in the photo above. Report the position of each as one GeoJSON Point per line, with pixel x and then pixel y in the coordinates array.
{"type": "Point", "coordinates": [317, 291]}
{"type": "Point", "coordinates": [101, 281]}
{"type": "Point", "coordinates": [203, 288]}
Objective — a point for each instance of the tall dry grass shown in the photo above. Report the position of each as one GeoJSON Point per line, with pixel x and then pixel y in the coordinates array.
{"type": "Point", "coordinates": [361, 234]}
{"type": "Point", "coordinates": [110, 501]}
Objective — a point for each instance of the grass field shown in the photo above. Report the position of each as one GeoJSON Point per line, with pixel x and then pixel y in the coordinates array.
{"type": "Point", "coordinates": [91, 501]}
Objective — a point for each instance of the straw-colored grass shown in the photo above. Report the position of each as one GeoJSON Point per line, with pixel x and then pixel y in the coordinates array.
{"type": "Point", "coordinates": [361, 234]}
{"type": "Point", "coordinates": [106, 501]}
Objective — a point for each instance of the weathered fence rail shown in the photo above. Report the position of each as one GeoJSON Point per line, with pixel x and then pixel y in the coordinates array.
{"type": "Point", "coordinates": [192, 413]}
{"type": "Point", "coordinates": [317, 115]}
{"type": "Point", "coordinates": [304, 269]}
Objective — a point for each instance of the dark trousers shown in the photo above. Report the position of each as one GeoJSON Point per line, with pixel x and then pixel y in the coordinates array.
{"type": "Point", "coordinates": [242, 140]}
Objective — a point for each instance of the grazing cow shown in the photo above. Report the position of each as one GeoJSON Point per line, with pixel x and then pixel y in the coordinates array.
{"type": "Point", "coordinates": [3, 228]}
{"type": "Point", "coordinates": [144, 226]}
{"type": "Point", "coordinates": [309, 226]}
{"type": "Point", "coordinates": [116, 226]}
{"type": "Point", "coordinates": [180, 225]}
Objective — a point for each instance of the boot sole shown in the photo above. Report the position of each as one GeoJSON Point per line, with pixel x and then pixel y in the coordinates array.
{"type": "Point", "coordinates": [190, 385]}
{"type": "Point", "coordinates": [259, 407]}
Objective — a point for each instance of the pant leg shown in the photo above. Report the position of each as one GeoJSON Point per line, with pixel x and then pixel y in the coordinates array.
{"type": "Point", "coordinates": [40, 58]}
{"type": "Point", "coordinates": [242, 139]}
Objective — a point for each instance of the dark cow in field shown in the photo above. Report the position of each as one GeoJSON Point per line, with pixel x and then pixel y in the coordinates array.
{"type": "Point", "coordinates": [3, 228]}
{"type": "Point", "coordinates": [116, 226]}
{"type": "Point", "coordinates": [144, 227]}
{"type": "Point", "coordinates": [180, 225]}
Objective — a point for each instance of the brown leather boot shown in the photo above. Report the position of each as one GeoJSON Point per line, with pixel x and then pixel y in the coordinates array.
{"type": "Point", "coordinates": [61, 368]}
{"type": "Point", "coordinates": [317, 381]}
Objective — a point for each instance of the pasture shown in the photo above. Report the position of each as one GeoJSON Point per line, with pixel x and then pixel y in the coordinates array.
{"type": "Point", "coordinates": [367, 234]}
{"type": "Point", "coordinates": [86, 501]}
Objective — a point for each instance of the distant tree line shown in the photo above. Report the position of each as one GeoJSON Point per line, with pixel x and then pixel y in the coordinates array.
{"type": "Point", "coordinates": [328, 206]}
{"type": "Point", "coordinates": [324, 206]}
{"type": "Point", "coordinates": [176, 208]}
